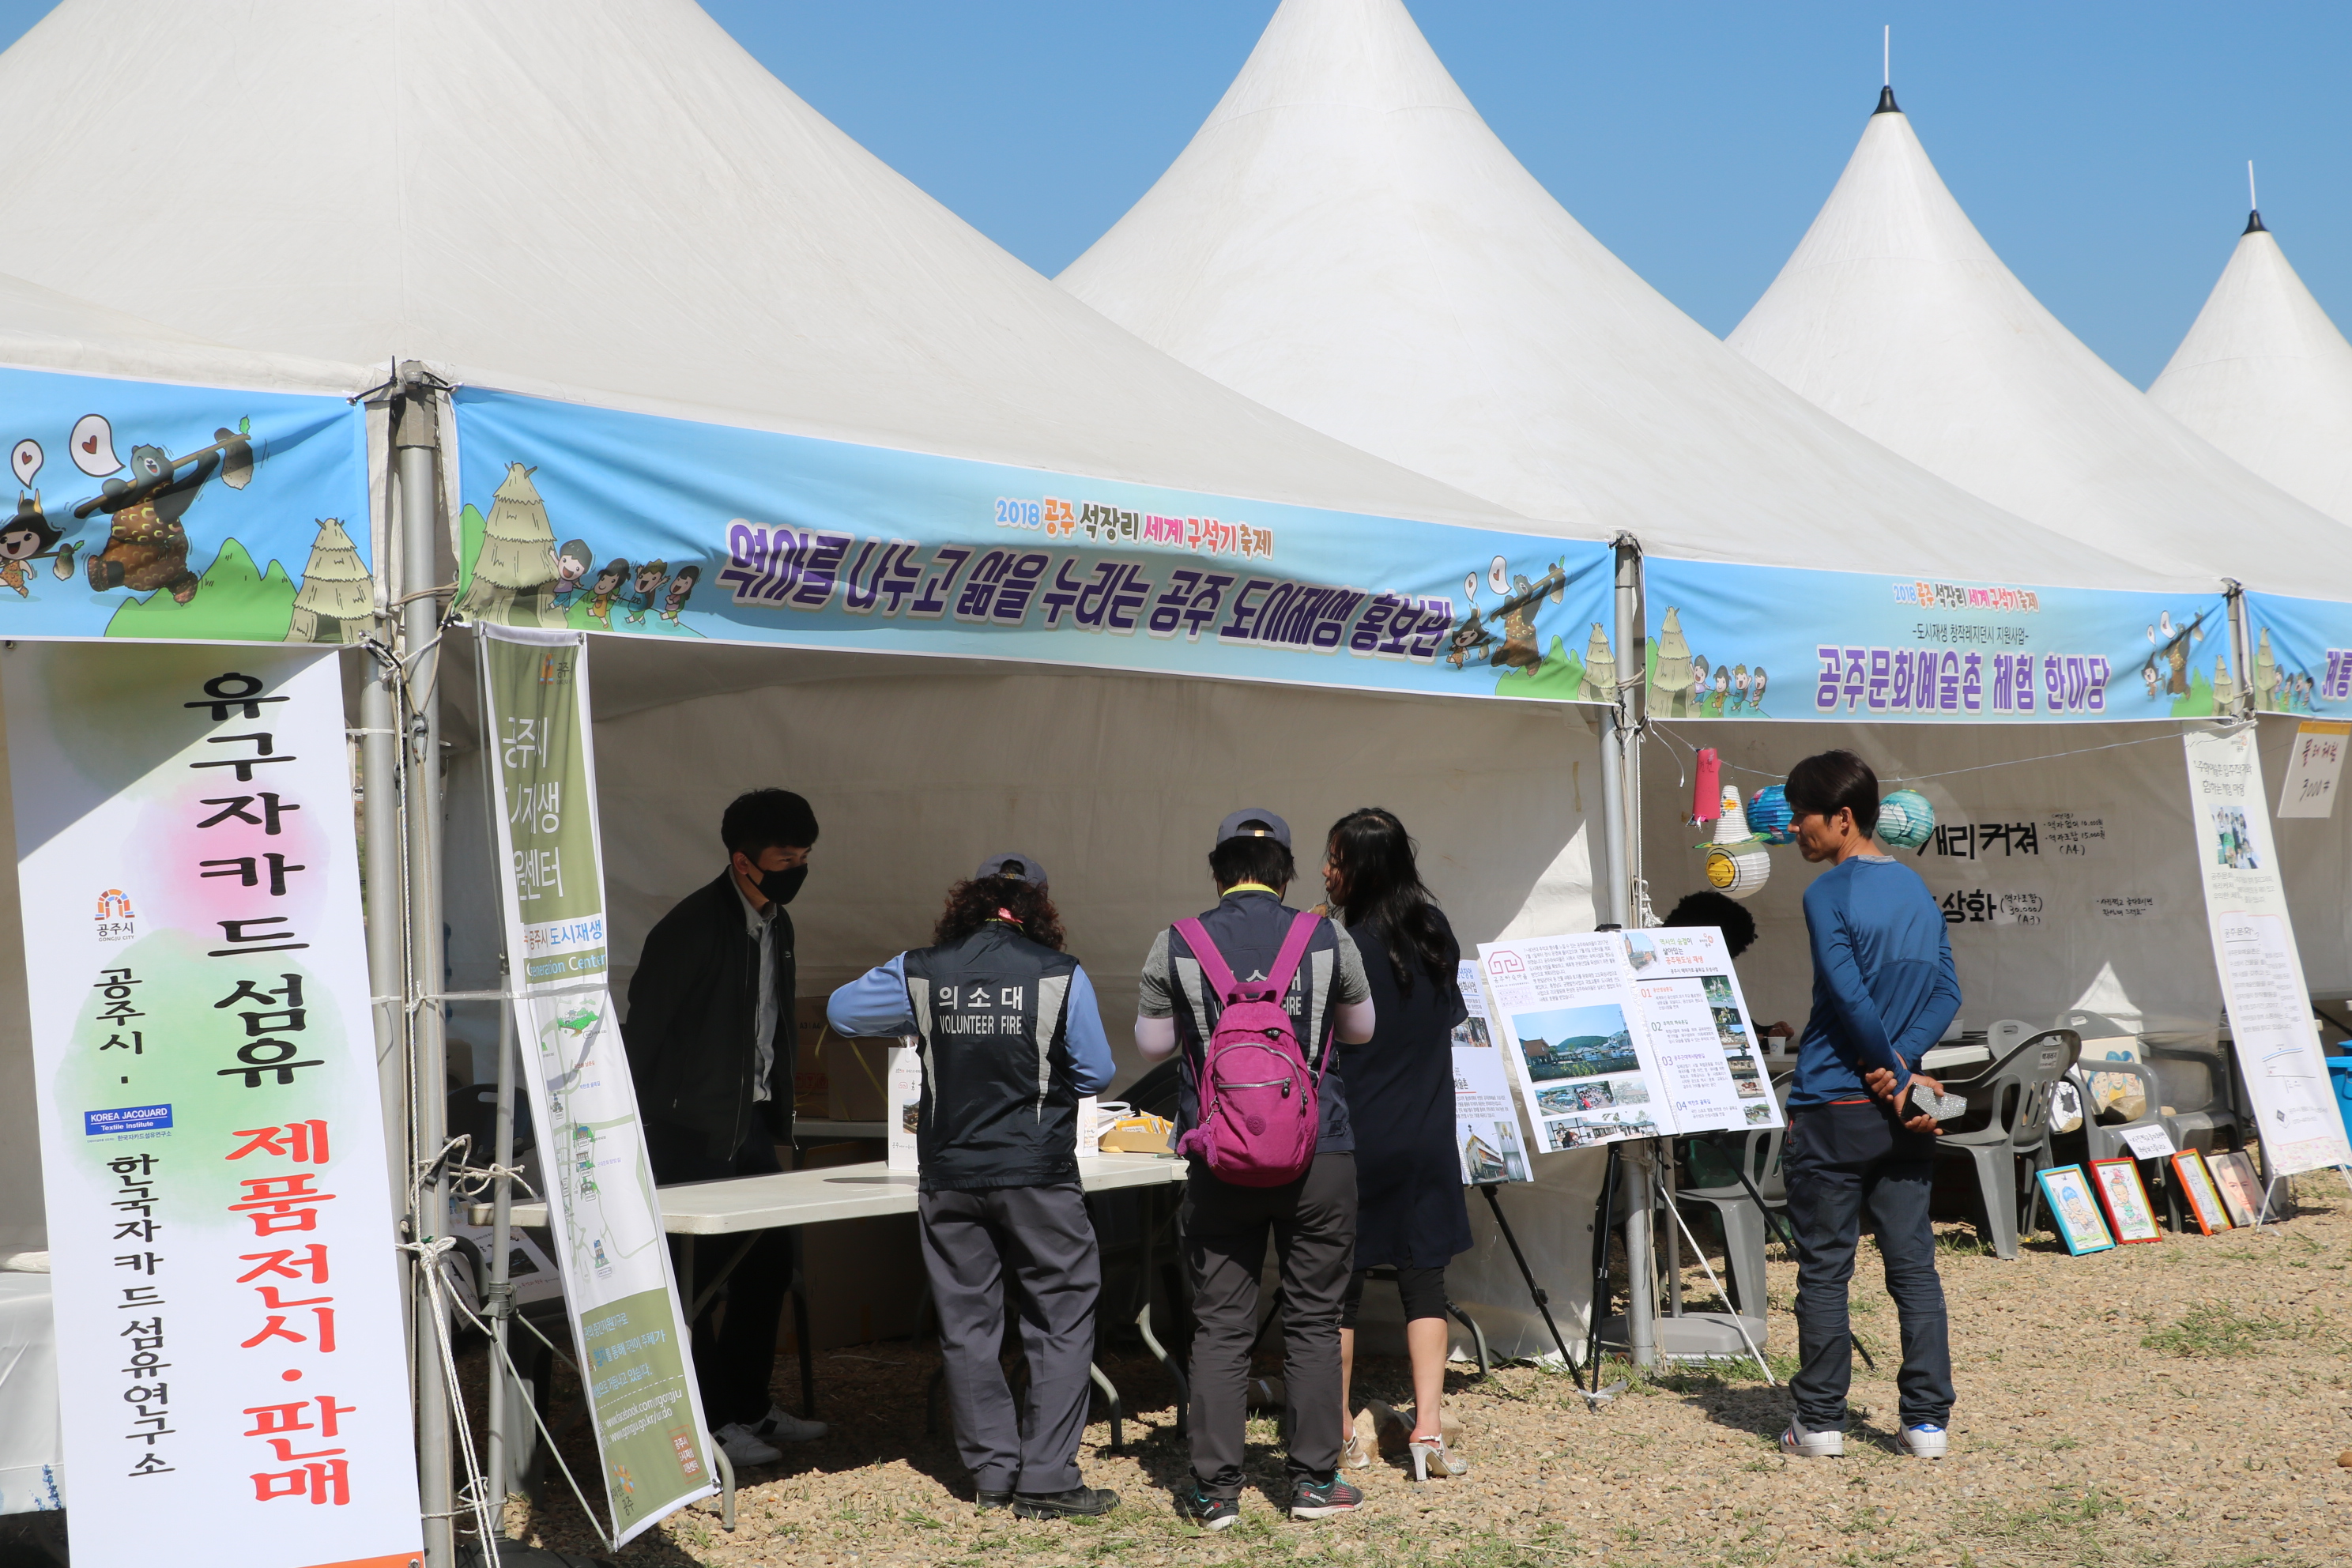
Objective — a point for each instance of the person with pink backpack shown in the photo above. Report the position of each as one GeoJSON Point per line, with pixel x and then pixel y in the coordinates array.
{"type": "Point", "coordinates": [1259, 997]}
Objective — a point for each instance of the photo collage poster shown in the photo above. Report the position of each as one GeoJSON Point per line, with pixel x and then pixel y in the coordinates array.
{"type": "Point", "coordinates": [1486, 1121]}
{"type": "Point", "coordinates": [1627, 1035]}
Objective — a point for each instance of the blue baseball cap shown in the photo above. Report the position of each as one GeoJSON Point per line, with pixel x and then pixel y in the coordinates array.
{"type": "Point", "coordinates": [1028, 867]}
{"type": "Point", "coordinates": [1254, 822]}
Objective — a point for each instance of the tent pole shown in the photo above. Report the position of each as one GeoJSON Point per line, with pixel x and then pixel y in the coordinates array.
{"type": "Point", "coordinates": [415, 439]}
{"type": "Point", "coordinates": [2242, 646]}
{"type": "Point", "coordinates": [1612, 818]}
{"type": "Point", "coordinates": [501, 1392]}
{"type": "Point", "coordinates": [1633, 683]}
{"type": "Point", "coordinates": [380, 829]}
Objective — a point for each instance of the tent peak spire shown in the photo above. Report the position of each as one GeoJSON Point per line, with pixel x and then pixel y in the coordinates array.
{"type": "Point", "coordinates": [2254, 203]}
{"type": "Point", "coordinates": [2254, 224]}
{"type": "Point", "coordinates": [1886, 104]}
{"type": "Point", "coordinates": [1887, 71]}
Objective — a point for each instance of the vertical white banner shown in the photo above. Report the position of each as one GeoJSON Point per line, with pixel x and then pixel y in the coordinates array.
{"type": "Point", "coordinates": [617, 1286]}
{"type": "Point", "coordinates": [2253, 947]}
{"type": "Point", "coordinates": [230, 1366]}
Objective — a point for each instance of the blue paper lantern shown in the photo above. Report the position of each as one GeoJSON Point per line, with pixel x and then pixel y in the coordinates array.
{"type": "Point", "coordinates": [1905, 819]}
{"type": "Point", "coordinates": [1769, 818]}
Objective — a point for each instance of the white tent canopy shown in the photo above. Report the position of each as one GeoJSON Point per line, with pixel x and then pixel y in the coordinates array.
{"type": "Point", "coordinates": [1895, 316]}
{"type": "Point", "coordinates": [1345, 240]}
{"type": "Point", "coordinates": [2265, 376]}
{"type": "Point", "coordinates": [553, 196]}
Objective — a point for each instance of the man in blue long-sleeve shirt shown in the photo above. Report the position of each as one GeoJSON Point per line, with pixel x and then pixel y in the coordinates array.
{"type": "Point", "coordinates": [1884, 991]}
{"type": "Point", "coordinates": [1011, 1039]}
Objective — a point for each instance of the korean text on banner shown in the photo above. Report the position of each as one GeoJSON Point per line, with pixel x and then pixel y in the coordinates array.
{"type": "Point", "coordinates": [594, 520]}
{"type": "Point", "coordinates": [618, 1286]}
{"type": "Point", "coordinates": [212, 1140]}
{"type": "Point", "coordinates": [1628, 1035]}
{"type": "Point", "coordinates": [2278, 1045]}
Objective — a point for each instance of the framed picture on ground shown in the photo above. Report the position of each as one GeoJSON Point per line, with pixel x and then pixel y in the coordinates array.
{"type": "Point", "coordinates": [2241, 1189]}
{"type": "Point", "coordinates": [2204, 1197]}
{"type": "Point", "coordinates": [2073, 1210]}
{"type": "Point", "coordinates": [2129, 1214]}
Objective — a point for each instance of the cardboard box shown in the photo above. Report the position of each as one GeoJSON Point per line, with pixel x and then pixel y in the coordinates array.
{"type": "Point", "coordinates": [838, 1080]}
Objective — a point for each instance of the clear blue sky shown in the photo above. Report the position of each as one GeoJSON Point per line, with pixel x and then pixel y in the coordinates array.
{"type": "Point", "coordinates": [2100, 147]}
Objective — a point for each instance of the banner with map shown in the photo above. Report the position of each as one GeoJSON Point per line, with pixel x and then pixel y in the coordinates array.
{"type": "Point", "coordinates": [600, 521]}
{"type": "Point", "coordinates": [618, 1290]}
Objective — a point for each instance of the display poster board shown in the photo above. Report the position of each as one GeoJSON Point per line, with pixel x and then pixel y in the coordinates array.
{"type": "Point", "coordinates": [2313, 768]}
{"type": "Point", "coordinates": [2278, 1047]}
{"type": "Point", "coordinates": [1627, 1035]}
{"type": "Point", "coordinates": [230, 1366]}
{"type": "Point", "coordinates": [607, 1220]}
{"type": "Point", "coordinates": [1486, 1121]}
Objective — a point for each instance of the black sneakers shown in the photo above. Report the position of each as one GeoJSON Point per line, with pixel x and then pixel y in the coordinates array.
{"type": "Point", "coordinates": [1209, 1512]}
{"type": "Point", "coordinates": [1321, 1499]}
{"type": "Point", "coordinates": [1081, 1502]}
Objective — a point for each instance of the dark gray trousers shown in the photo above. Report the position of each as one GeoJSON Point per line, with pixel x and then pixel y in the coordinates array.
{"type": "Point", "coordinates": [1842, 1162]}
{"type": "Point", "coordinates": [1313, 1223]}
{"type": "Point", "coordinates": [1041, 1238]}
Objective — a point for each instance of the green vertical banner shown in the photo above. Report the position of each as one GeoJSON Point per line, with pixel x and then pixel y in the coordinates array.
{"type": "Point", "coordinates": [601, 1207]}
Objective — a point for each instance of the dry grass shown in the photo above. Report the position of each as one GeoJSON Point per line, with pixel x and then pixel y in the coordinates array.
{"type": "Point", "coordinates": [2175, 1405]}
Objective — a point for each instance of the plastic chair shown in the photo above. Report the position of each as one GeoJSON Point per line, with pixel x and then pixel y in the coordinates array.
{"type": "Point", "coordinates": [1745, 1228]}
{"type": "Point", "coordinates": [2014, 1094]}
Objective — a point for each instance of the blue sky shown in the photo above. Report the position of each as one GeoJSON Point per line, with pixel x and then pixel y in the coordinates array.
{"type": "Point", "coordinates": [2101, 147]}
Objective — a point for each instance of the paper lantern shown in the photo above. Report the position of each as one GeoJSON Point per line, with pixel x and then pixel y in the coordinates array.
{"type": "Point", "coordinates": [1905, 819]}
{"type": "Point", "coordinates": [1769, 817]}
{"type": "Point", "coordinates": [1707, 787]}
{"type": "Point", "coordinates": [1736, 862]}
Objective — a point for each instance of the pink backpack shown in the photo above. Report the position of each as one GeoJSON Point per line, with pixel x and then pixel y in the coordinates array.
{"type": "Point", "coordinates": [1259, 1118]}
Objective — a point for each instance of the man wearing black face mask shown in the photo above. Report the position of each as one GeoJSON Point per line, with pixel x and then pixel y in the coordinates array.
{"type": "Point", "coordinates": [712, 1048]}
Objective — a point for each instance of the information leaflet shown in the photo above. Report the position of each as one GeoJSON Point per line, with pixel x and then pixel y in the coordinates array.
{"type": "Point", "coordinates": [1486, 1121]}
{"type": "Point", "coordinates": [1627, 1035]}
{"type": "Point", "coordinates": [2278, 1047]}
{"type": "Point", "coordinates": [618, 1286]}
{"type": "Point", "coordinates": [230, 1354]}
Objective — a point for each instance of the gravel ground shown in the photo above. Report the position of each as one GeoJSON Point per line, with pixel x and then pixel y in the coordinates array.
{"type": "Point", "coordinates": [2180, 1402]}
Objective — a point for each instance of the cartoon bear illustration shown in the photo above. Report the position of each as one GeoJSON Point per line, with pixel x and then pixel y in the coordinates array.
{"type": "Point", "coordinates": [147, 545]}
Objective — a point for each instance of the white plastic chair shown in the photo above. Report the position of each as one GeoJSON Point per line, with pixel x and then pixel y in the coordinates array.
{"type": "Point", "coordinates": [2014, 1094]}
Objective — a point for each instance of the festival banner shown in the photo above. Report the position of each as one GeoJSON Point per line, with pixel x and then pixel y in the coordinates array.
{"type": "Point", "coordinates": [2279, 1054]}
{"type": "Point", "coordinates": [1770, 642]}
{"type": "Point", "coordinates": [182, 513]}
{"type": "Point", "coordinates": [2302, 654]}
{"type": "Point", "coordinates": [618, 1290]}
{"type": "Point", "coordinates": [592, 519]}
{"type": "Point", "coordinates": [230, 1352]}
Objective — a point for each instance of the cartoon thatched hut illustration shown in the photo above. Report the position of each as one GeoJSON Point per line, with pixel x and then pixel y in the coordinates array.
{"type": "Point", "coordinates": [1600, 669]}
{"type": "Point", "coordinates": [2266, 675]}
{"type": "Point", "coordinates": [2225, 690]}
{"type": "Point", "coordinates": [1670, 686]}
{"type": "Point", "coordinates": [336, 603]}
{"type": "Point", "coordinates": [514, 576]}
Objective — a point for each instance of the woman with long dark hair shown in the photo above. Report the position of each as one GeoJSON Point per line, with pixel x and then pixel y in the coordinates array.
{"type": "Point", "coordinates": [1410, 1212]}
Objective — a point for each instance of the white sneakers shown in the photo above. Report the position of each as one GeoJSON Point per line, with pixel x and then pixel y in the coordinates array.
{"type": "Point", "coordinates": [755, 1444]}
{"type": "Point", "coordinates": [781, 1425]}
{"type": "Point", "coordinates": [744, 1447]}
{"type": "Point", "coordinates": [1800, 1444]}
{"type": "Point", "coordinates": [1927, 1441]}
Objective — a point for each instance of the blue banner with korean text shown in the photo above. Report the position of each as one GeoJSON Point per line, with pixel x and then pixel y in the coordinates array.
{"type": "Point", "coordinates": [1767, 642]}
{"type": "Point", "coordinates": [2302, 654]}
{"type": "Point", "coordinates": [636, 525]}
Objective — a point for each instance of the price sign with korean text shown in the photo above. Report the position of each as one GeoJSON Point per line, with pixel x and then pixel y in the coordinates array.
{"type": "Point", "coordinates": [228, 1311]}
{"type": "Point", "coordinates": [617, 1286]}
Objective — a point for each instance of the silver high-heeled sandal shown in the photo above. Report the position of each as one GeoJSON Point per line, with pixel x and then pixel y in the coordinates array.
{"type": "Point", "coordinates": [1432, 1454]}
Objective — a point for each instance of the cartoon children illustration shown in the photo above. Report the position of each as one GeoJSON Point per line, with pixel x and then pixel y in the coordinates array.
{"type": "Point", "coordinates": [1698, 682]}
{"type": "Point", "coordinates": [681, 589]}
{"type": "Point", "coordinates": [572, 563]}
{"type": "Point", "coordinates": [1755, 691]}
{"type": "Point", "coordinates": [1722, 689]}
{"type": "Point", "coordinates": [650, 575]}
{"type": "Point", "coordinates": [607, 587]}
{"type": "Point", "coordinates": [1738, 686]}
{"type": "Point", "coordinates": [26, 538]}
